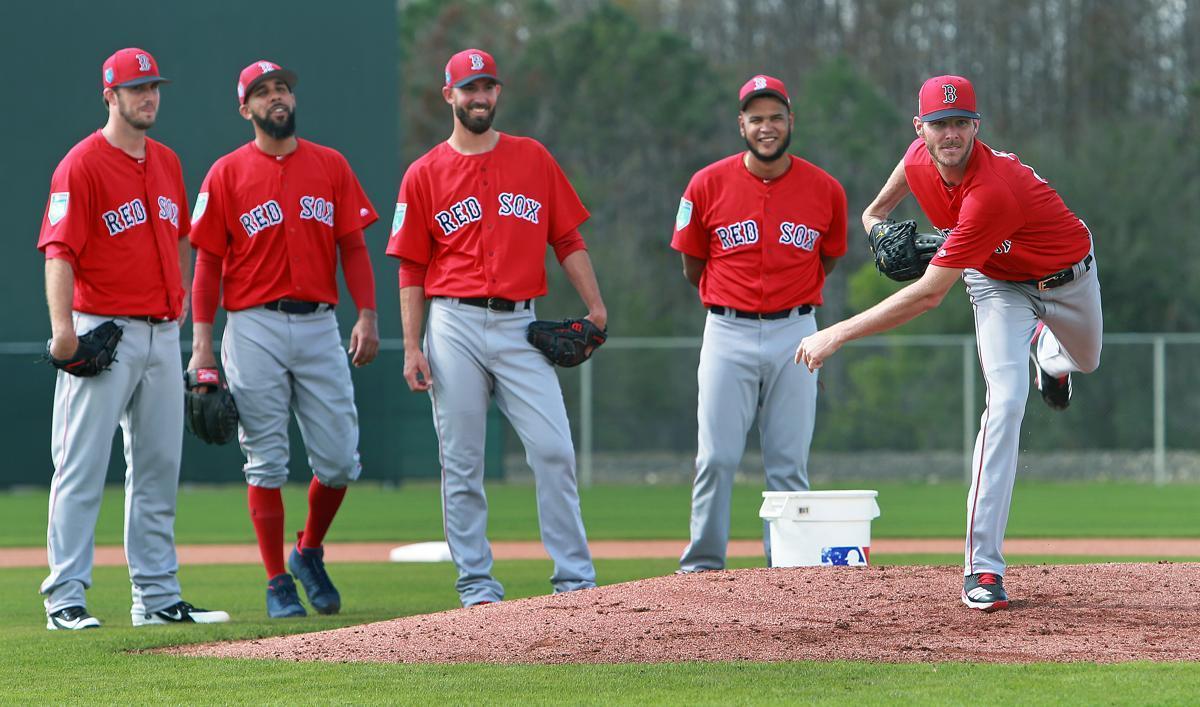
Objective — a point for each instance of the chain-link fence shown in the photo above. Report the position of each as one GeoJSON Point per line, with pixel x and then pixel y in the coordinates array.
{"type": "Point", "coordinates": [899, 407]}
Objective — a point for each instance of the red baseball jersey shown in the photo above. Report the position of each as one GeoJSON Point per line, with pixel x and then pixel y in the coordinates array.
{"type": "Point", "coordinates": [1004, 219]}
{"type": "Point", "coordinates": [481, 223]}
{"type": "Point", "coordinates": [763, 239]}
{"type": "Point", "coordinates": [275, 222]}
{"type": "Point", "coordinates": [121, 218]}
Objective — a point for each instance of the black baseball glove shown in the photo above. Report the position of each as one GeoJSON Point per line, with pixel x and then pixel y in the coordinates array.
{"type": "Point", "coordinates": [212, 416]}
{"type": "Point", "coordinates": [567, 343]}
{"type": "Point", "coordinates": [96, 353]}
{"type": "Point", "coordinates": [900, 252]}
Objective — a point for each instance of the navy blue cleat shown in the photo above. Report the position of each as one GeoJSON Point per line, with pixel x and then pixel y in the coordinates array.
{"type": "Point", "coordinates": [308, 565]}
{"type": "Point", "coordinates": [984, 591]}
{"type": "Point", "coordinates": [282, 600]}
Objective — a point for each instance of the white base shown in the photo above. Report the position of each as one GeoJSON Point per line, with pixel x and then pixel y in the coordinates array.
{"type": "Point", "coordinates": [436, 551]}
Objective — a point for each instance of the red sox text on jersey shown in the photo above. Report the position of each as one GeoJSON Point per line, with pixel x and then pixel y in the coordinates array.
{"type": "Point", "coordinates": [762, 241]}
{"type": "Point", "coordinates": [103, 207]}
{"type": "Point", "coordinates": [275, 224]}
{"type": "Point", "coordinates": [469, 211]}
{"type": "Point", "coordinates": [479, 225]}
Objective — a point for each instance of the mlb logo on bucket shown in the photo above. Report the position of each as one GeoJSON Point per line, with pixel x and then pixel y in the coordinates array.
{"type": "Point", "coordinates": [853, 555]}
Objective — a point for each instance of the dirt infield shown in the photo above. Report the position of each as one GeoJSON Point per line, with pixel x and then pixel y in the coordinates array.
{"type": "Point", "coordinates": [1149, 548]}
{"type": "Point", "coordinates": [1096, 613]}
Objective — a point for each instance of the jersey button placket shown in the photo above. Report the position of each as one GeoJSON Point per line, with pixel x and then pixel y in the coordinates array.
{"type": "Point", "coordinates": [764, 221]}
{"type": "Point", "coordinates": [292, 249]}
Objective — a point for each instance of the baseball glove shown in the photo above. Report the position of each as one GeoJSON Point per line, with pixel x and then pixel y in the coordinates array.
{"type": "Point", "coordinates": [96, 353]}
{"type": "Point", "coordinates": [566, 343]}
{"type": "Point", "coordinates": [212, 416]}
{"type": "Point", "coordinates": [900, 252]}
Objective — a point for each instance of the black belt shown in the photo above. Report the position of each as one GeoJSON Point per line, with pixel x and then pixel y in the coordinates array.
{"type": "Point", "coordinates": [1061, 277]}
{"type": "Point", "coordinates": [496, 304]}
{"type": "Point", "coordinates": [781, 314]}
{"type": "Point", "coordinates": [293, 306]}
{"type": "Point", "coordinates": [151, 320]}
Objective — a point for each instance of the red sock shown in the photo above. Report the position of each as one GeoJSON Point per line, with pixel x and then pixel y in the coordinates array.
{"type": "Point", "coordinates": [323, 504]}
{"type": "Point", "coordinates": [266, 512]}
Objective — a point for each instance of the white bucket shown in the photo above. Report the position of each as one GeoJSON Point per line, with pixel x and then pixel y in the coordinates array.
{"type": "Point", "coordinates": [810, 528]}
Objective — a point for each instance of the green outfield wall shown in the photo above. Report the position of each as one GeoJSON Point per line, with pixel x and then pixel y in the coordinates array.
{"type": "Point", "coordinates": [347, 98]}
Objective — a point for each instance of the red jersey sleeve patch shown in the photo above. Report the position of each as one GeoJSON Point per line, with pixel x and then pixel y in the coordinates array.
{"type": "Point", "coordinates": [208, 217]}
{"type": "Point", "coordinates": [67, 208]}
{"type": "Point", "coordinates": [411, 239]}
{"type": "Point", "coordinates": [691, 236]}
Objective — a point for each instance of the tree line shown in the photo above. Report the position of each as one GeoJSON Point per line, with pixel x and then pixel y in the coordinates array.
{"type": "Point", "coordinates": [634, 96]}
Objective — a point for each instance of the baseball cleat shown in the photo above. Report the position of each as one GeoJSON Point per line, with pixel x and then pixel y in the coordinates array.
{"type": "Point", "coordinates": [308, 565]}
{"type": "Point", "coordinates": [984, 591]}
{"type": "Point", "coordinates": [282, 600]}
{"type": "Point", "coordinates": [71, 618]}
{"type": "Point", "coordinates": [1056, 391]}
{"type": "Point", "coordinates": [180, 613]}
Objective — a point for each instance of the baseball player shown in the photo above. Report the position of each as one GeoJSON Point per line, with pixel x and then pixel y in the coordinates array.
{"type": "Point", "coordinates": [1031, 273]}
{"type": "Point", "coordinates": [758, 232]}
{"type": "Point", "coordinates": [116, 251]}
{"type": "Point", "coordinates": [270, 222]}
{"type": "Point", "coordinates": [473, 220]}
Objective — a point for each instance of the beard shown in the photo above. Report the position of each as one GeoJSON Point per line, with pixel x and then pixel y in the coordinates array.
{"type": "Point", "coordinates": [967, 148]}
{"type": "Point", "coordinates": [771, 156]}
{"type": "Point", "coordinates": [478, 125]}
{"type": "Point", "coordinates": [134, 120]}
{"type": "Point", "coordinates": [277, 130]}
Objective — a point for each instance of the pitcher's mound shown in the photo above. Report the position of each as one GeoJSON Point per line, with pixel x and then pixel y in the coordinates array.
{"type": "Point", "coordinates": [1102, 613]}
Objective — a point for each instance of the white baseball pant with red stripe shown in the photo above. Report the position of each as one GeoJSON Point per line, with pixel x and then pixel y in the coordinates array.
{"type": "Point", "coordinates": [143, 393]}
{"type": "Point", "coordinates": [1006, 315]}
{"type": "Point", "coordinates": [476, 354]}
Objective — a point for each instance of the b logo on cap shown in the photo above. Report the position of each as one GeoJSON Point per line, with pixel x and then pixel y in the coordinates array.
{"type": "Point", "coordinates": [759, 83]}
{"type": "Point", "coordinates": [143, 62]}
{"type": "Point", "coordinates": [951, 93]}
{"type": "Point", "coordinates": [476, 62]}
{"type": "Point", "coordinates": [265, 66]}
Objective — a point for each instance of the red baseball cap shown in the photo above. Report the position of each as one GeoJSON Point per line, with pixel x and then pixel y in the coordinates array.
{"type": "Point", "coordinates": [763, 86]}
{"type": "Point", "coordinates": [468, 65]}
{"type": "Point", "coordinates": [130, 67]}
{"type": "Point", "coordinates": [260, 71]}
{"type": "Point", "coordinates": [946, 97]}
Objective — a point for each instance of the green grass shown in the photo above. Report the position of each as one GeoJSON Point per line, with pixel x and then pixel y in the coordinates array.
{"type": "Point", "coordinates": [103, 667]}
{"type": "Point", "coordinates": [217, 514]}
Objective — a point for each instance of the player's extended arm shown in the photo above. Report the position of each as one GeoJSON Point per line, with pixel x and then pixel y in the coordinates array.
{"type": "Point", "coordinates": [693, 268]}
{"type": "Point", "coordinates": [889, 197]}
{"type": "Point", "coordinates": [918, 298]}
{"type": "Point", "coordinates": [60, 292]}
{"type": "Point", "coordinates": [578, 266]}
{"type": "Point", "coordinates": [412, 318]}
